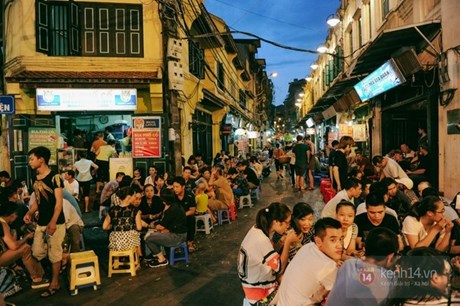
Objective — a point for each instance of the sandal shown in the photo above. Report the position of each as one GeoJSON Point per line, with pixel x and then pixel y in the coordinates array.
{"type": "Point", "coordinates": [49, 292]}
{"type": "Point", "coordinates": [192, 248]}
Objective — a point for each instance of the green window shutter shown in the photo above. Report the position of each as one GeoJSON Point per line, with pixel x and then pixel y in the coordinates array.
{"type": "Point", "coordinates": [42, 26]}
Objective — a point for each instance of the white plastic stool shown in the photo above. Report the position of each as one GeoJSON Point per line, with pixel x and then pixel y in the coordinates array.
{"type": "Point", "coordinates": [207, 222]}
{"type": "Point", "coordinates": [248, 201]}
{"type": "Point", "coordinates": [223, 215]}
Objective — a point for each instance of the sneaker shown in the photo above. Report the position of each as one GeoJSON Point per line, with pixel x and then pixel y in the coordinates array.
{"type": "Point", "coordinates": [156, 264]}
{"type": "Point", "coordinates": [40, 284]}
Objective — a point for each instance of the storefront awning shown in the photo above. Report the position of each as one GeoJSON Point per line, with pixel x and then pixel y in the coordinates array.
{"type": "Point", "coordinates": [339, 87]}
{"type": "Point", "coordinates": [77, 77]}
{"type": "Point", "coordinates": [211, 102]}
{"type": "Point", "coordinates": [390, 41]}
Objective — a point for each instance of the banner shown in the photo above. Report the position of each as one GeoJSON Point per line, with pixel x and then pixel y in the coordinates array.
{"type": "Point", "coordinates": [146, 137]}
{"type": "Point", "coordinates": [44, 137]}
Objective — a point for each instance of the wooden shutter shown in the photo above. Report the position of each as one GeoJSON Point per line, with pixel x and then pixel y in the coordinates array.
{"type": "Point", "coordinates": [42, 26]}
{"type": "Point", "coordinates": [75, 45]}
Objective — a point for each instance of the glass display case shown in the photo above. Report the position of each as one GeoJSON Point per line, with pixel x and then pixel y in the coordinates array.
{"type": "Point", "coordinates": [67, 158]}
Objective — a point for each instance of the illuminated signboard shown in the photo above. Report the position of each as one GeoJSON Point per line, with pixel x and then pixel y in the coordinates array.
{"type": "Point", "coordinates": [58, 99]}
{"type": "Point", "coordinates": [382, 79]}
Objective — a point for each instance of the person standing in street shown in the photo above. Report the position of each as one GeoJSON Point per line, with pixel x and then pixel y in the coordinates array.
{"type": "Point", "coordinates": [311, 162]}
{"type": "Point", "coordinates": [50, 230]}
{"type": "Point", "coordinates": [84, 177]}
{"type": "Point", "coordinates": [340, 163]}
{"type": "Point", "coordinates": [301, 157]}
{"type": "Point", "coordinates": [277, 153]}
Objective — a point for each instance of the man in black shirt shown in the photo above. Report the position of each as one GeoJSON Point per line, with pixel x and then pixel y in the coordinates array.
{"type": "Point", "coordinates": [251, 176]}
{"type": "Point", "coordinates": [50, 230]}
{"type": "Point", "coordinates": [340, 163]}
{"type": "Point", "coordinates": [330, 160]}
{"type": "Point", "coordinates": [186, 200]}
{"type": "Point", "coordinates": [171, 231]}
{"type": "Point", "coordinates": [373, 218]}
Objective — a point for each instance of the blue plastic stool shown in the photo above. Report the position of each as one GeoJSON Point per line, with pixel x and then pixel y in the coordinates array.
{"type": "Point", "coordinates": [223, 215]}
{"type": "Point", "coordinates": [172, 253]}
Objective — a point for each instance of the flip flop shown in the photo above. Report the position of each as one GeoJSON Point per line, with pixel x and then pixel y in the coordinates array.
{"type": "Point", "coordinates": [49, 292]}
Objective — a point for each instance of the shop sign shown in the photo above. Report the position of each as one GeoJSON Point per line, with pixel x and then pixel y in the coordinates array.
{"type": "Point", "coordinates": [62, 99]}
{"type": "Point", "coordinates": [227, 129]}
{"type": "Point", "coordinates": [146, 137]}
{"type": "Point", "coordinates": [382, 79]}
{"type": "Point", "coordinates": [44, 137]}
{"type": "Point", "coordinates": [359, 132]}
{"type": "Point", "coordinates": [7, 105]}
{"type": "Point", "coordinates": [253, 134]}
{"type": "Point", "coordinates": [345, 130]}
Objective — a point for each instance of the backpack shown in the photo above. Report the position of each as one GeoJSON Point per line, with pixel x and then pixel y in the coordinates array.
{"type": "Point", "coordinates": [8, 283]}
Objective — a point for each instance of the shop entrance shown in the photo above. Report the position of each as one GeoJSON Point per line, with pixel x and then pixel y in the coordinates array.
{"type": "Point", "coordinates": [202, 135]}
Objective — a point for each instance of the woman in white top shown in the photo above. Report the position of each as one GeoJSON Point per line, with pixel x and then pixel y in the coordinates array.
{"type": "Point", "coordinates": [84, 177]}
{"type": "Point", "coordinates": [426, 225]}
{"type": "Point", "coordinates": [258, 262]}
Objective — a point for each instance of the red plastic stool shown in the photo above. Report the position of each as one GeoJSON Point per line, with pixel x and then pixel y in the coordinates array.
{"type": "Point", "coordinates": [232, 209]}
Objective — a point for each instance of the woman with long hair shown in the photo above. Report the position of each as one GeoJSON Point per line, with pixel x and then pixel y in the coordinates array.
{"type": "Point", "coordinates": [426, 225]}
{"type": "Point", "coordinates": [258, 262]}
{"type": "Point", "coordinates": [124, 221]}
{"type": "Point", "coordinates": [302, 222]}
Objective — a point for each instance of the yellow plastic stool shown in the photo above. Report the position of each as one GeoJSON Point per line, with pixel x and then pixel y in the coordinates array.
{"type": "Point", "coordinates": [129, 267]}
{"type": "Point", "coordinates": [84, 271]}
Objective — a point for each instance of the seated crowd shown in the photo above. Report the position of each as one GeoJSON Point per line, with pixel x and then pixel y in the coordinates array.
{"type": "Point", "coordinates": [142, 213]}
{"type": "Point", "coordinates": [372, 237]}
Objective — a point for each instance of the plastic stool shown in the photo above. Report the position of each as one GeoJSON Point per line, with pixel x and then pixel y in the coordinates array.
{"type": "Point", "coordinates": [221, 218]}
{"type": "Point", "coordinates": [255, 192]}
{"type": "Point", "coordinates": [84, 271]}
{"type": "Point", "coordinates": [233, 213]}
{"type": "Point", "coordinates": [242, 202]}
{"type": "Point", "coordinates": [132, 265]}
{"type": "Point", "coordinates": [172, 253]}
{"type": "Point", "coordinates": [207, 222]}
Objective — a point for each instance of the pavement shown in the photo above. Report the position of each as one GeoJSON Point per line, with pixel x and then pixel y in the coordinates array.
{"type": "Point", "coordinates": [210, 278]}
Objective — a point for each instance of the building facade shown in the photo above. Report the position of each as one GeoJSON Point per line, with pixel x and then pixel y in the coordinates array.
{"type": "Point", "coordinates": [420, 38]}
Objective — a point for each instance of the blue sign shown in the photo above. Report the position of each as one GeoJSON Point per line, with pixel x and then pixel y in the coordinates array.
{"type": "Point", "coordinates": [382, 79]}
{"type": "Point", "coordinates": [7, 105]}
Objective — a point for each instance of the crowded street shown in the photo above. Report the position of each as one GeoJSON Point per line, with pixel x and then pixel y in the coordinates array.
{"type": "Point", "coordinates": [210, 278]}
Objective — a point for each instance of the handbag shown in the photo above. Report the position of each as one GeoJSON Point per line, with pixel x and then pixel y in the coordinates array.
{"type": "Point", "coordinates": [8, 283]}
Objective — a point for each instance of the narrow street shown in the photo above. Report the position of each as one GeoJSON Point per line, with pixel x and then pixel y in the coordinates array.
{"type": "Point", "coordinates": [209, 279]}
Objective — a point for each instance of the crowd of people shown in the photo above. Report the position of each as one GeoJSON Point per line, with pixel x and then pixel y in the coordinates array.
{"type": "Point", "coordinates": [386, 237]}
{"type": "Point", "coordinates": [44, 223]}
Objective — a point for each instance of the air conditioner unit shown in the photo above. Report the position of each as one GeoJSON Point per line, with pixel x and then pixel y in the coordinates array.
{"type": "Point", "coordinates": [407, 61]}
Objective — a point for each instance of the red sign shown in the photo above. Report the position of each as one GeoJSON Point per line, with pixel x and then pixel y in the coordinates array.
{"type": "Point", "coordinates": [146, 137]}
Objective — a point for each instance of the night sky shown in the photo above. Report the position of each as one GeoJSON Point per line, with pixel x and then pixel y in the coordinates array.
{"type": "Point", "coordinates": [293, 23]}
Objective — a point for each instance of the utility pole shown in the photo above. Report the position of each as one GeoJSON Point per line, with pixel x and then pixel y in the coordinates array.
{"type": "Point", "coordinates": [168, 16]}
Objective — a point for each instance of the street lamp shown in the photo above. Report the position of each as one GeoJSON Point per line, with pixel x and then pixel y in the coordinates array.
{"type": "Point", "coordinates": [308, 78]}
{"type": "Point", "coordinates": [314, 66]}
{"type": "Point", "coordinates": [332, 20]}
{"type": "Point", "coordinates": [322, 48]}
{"type": "Point", "coordinates": [274, 74]}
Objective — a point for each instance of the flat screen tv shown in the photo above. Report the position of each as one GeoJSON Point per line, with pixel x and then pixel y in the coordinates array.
{"type": "Point", "coordinates": [380, 80]}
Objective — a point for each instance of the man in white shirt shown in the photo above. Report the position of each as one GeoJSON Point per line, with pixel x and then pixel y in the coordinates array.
{"type": "Point", "coordinates": [73, 224]}
{"type": "Point", "coordinates": [352, 189]}
{"type": "Point", "coordinates": [71, 184]}
{"type": "Point", "coordinates": [312, 272]}
{"type": "Point", "coordinates": [390, 168]}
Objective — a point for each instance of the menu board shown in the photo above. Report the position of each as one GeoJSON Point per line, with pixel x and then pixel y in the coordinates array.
{"type": "Point", "coordinates": [121, 164]}
{"type": "Point", "coordinates": [146, 137]}
{"type": "Point", "coordinates": [44, 137]}
{"type": "Point", "coordinates": [345, 130]}
{"type": "Point", "coordinates": [359, 132]}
